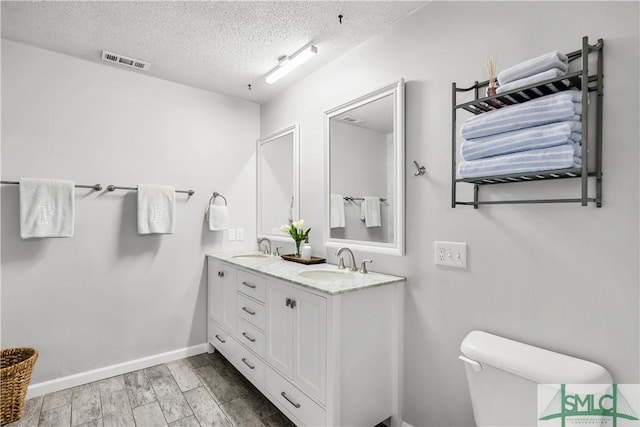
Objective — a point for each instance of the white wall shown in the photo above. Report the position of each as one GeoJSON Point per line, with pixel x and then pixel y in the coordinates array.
{"type": "Point", "coordinates": [108, 295]}
{"type": "Point", "coordinates": [563, 277]}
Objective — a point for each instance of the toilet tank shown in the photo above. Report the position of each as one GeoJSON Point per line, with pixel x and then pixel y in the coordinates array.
{"type": "Point", "coordinates": [503, 376]}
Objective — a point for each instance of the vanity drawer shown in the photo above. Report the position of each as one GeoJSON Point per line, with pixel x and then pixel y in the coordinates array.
{"type": "Point", "coordinates": [250, 365]}
{"type": "Point", "coordinates": [221, 341]}
{"type": "Point", "coordinates": [251, 337]}
{"type": "Point", "coordinates": [251, 284]}
{"type": "Point", "coordinates": [296, 402]}
{"type": "Point", "coordinates": [251, 311]}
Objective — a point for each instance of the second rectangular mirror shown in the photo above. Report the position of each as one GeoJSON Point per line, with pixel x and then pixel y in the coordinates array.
{"type": "Point", "coordinates": [277, 182]}
{"type": "Point", "coordinates": [365, 160]}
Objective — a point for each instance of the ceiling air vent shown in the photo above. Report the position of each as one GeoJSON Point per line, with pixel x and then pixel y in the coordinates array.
{"type": "Point", "coordinates": [125, 61]}
{"type": "Point", "coordinates": [352, 120]}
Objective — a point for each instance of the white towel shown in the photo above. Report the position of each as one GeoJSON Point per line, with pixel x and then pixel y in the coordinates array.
{"type": "Point", "coordinates": [46, 208]}
{"type": "Point", "coordinates": [370, 211]}
{"type": "Point", "coordinates": [533, 66]}
{"type": "Point", "coordinates": [552, 108]}
{"type": "Point", "coordinates": [156, 209]}
{"type": "Point", "coordinates": [337, 211]}
{"type": "Point", "coordinates": [217, 217]}
{"type": "Point", "coordinates": [536, 78]}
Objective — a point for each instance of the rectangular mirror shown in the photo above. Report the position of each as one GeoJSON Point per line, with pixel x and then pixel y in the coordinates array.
{"type": "Point", "coordinates": [364, 145]}
{"type": "Point", "coordinates": [278, 201]}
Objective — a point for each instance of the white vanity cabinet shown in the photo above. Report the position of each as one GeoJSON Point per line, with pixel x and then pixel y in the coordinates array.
{"type": "Point", "coordinates": [297, 342]}
{"type": "Point", "coordinates": [222, 294]}
{"type": "Point", "coordinates": [324, 356]}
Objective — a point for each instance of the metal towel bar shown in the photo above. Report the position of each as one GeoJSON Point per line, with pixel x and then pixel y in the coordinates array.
{"type": "Point", "coordinates": [113, 188]}
{"type": "Point", "coordinates": [96, 187]}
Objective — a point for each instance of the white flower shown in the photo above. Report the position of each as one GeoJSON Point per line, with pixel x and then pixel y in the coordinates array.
{"type": "Point", "coordinates": [299, 224]}
{"type": "Point", "coordinates": [285, 228]}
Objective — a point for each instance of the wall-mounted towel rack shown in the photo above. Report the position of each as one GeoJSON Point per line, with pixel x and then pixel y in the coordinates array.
{"type": "Point", "coordinates": [96, 187]}
{"type": "Point", "coordinates": [213, 198]}
{"type": "Point", "coordinates": [353, 199]}
{"type": "Point", "coordinates": [114, 187]}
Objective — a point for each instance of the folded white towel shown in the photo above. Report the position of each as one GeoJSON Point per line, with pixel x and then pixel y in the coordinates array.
{"type": "Point", "coordinates": [536, 78]}
{"type": "Point", "coordinates": [530, 138]}
{"type": "Point", "coordinates": [337, 217]}
{"type": "Point", "coordinates": [559, 157]}
{"type": "Point", "coordinates": [156, 209]}
{"type": "Point", "coordinates": [553, 108]}
{"type": "Point", "coordinates": [217, 217]}
{"type": "Point", "coordinates": [47, 208]}
{"type": "Point", "coordinates": [370, 211]}
{"type": "Point", "coordinates": [533, 66]}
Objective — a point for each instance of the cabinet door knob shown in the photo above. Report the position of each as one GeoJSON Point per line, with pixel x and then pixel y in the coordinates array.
{"type": "Point", "coordinates": [296, 405]}
{"type": "Point", "coordinates": [220, 273]}
{"type": "Point", "coordinates": [293, 303]}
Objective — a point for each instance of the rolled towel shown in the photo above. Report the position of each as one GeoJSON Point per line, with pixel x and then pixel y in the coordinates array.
{"type": "Point", "coordinates": [552, 108]}
{"type": "Point", "coordinates": [156, 209]}
{"type": "Point", "coordinates": [337, 216]}
{"type": "Point", "coordinates": [370, 211]}
{"type": "Point", "coordinates": [545, 159]}
{"type": "Point", "coordinates": [533, 66]}
{"type": "Point", "coordinates": [531, 138]}
{"type": "Point", "coordinates": [536, 78]}
{"type": "Point", "coordinates": [47, 208]}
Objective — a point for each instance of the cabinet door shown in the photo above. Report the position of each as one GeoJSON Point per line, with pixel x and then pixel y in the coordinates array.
{"type": "Point", "coordinates": [310, 343]}
{"type": "Point", "coordinates": [222, 294]}
{"type": "Point", "coordinates": [280, 328]}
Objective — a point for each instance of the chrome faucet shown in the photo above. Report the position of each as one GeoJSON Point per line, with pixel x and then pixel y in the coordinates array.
{"type": "Point", "coordinates": [267, 251]}
{"type": "Point", "coordinates": [352, 259]}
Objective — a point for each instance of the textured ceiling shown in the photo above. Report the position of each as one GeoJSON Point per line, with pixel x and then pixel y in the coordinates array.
{"type": "Point", "coordinates": [213, 45]}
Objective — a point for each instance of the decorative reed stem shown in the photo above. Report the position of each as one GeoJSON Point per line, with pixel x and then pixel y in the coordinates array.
{"type": "Point", "coordinates": [491, 70]}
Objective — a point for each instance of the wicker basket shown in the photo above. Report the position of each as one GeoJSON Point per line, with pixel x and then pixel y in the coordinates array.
{"type": "Point", "coordinates": [16, 365]}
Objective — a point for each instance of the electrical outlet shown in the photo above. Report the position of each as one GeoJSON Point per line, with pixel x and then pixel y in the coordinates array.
{"type": "Point", "coordinates": [232, 234]}
{"type": "Point", "coordinates": [239, 234]}
{"type": "Point", "coordinates": [451, 254]}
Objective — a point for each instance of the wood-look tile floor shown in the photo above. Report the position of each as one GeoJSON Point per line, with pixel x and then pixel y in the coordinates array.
{"type": "Point", "coordinates": [203, 390]}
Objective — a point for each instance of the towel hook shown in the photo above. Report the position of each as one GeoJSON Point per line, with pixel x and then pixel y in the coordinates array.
{"type": "Point", "coordinates": [216, 194]}
{"type": "Point", "coordinates": [420, 170]}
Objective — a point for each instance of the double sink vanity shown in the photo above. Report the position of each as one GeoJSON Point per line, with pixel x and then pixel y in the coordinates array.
{"type": "Point", "coordinates": [321, 343]}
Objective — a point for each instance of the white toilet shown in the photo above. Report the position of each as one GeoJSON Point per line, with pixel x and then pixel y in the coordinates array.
{"type": "Point", "coordinates": [503, 376]}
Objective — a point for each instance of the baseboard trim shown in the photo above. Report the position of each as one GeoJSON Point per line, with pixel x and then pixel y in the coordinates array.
{"type": "Point", "coordinates": [406, 424]}
{"type": "Point", "coordinates": [58, 384]}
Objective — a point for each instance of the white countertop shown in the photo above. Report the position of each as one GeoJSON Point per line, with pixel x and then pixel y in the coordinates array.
{"type": "Point", "coordinates": [290, 271]}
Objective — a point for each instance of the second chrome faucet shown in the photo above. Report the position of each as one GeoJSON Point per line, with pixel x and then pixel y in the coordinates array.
{"type": "Point", "coordinates": [352, 261]}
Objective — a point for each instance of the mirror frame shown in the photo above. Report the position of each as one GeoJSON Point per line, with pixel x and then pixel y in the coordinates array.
{"type": "Point", "coordinates": [397, 247]}
{"type": "Point", "coordinates": [295, 131]}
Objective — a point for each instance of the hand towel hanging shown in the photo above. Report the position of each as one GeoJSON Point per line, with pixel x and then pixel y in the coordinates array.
{"type": "Point", "coordinates": [156, 209]}
{"type": "Point", "coordinates": [370, 211]}
{"type": "Point", "coordinates": [47, 208]}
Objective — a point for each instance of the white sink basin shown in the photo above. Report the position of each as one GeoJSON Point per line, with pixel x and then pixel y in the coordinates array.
{"type": "Point", "coordinates": [250, 256]}
{"type": "Point", "coordinates": [324, 274]}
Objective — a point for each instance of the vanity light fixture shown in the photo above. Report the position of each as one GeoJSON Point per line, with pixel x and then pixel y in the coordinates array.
{"type": "Point", "coordinates": [288, 63]}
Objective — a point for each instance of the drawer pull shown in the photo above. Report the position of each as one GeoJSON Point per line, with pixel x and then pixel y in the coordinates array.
{"type": "Point", "coordinates": [296, 405]}
{"type": "Point", "coordinates": [248, 364]}
{"type": "Point", "coordinates": [220, 339]}
{"type": "Point", "coordinates": [244, 334]}
{"type": "Point", "coordinates": [253, 313]}
{"type": "Point", "coordinates": [249, 285]}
